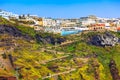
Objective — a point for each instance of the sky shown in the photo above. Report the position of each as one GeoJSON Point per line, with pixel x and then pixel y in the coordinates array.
{"type": "Point", "coordinates": [63, 8]}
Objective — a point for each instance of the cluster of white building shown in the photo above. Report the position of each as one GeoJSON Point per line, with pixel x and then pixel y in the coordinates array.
{"type": "Point", "coordinates": [7, 15]}
{"type": "Point", "coordinates": [84, 23]}
{"type": "Point", "coordinates": [50, 24]}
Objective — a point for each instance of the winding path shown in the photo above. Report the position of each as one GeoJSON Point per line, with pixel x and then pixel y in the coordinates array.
{"type": "Point", "coordinates": [66, 72]}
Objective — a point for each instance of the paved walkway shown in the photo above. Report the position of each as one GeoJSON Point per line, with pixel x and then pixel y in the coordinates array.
{"type": "Point", "coordinates": [54, 59]}
{"type": "Point", "coordinates": [53, 75]}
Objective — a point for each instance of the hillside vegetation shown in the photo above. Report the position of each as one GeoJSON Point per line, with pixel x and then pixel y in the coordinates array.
{"type": "Point", "coordinates": [32, 60]}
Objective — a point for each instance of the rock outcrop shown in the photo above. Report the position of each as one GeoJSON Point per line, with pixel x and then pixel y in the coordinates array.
{"type": "Point", "coordinates": [106, 39]}
{"type": "Point", "coordinates": [49, 39]}
{"type": "Point", "coordinates": [13, 31]}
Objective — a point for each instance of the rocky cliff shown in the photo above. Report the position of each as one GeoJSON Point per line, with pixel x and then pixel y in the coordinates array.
{"type": "Point", "coordinates": [49, 39]}
{"type": "Point", "coordinates": [13, 31]}
{"type": "Point", "coordinates": [106, 39]}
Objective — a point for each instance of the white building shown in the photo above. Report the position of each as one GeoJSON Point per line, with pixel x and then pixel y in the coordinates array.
{"type": "Point", "coordinates": [82, 28]}
{"type": "Point", "coordinates": [88, 22]}
{"type": "Point", "coordinates": [7, 15]}
{"type": "Point", "coordinates": [107, 25]}
{"type": "Point", "coordinates": [48, 22]}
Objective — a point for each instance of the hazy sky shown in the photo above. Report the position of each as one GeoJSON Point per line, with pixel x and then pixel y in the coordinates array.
{"type": "Point", "coordinates": [63, 8]}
